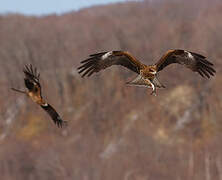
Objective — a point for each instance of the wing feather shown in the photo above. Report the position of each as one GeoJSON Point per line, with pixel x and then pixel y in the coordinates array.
{"type": "Point", "coordinates": [99, 61]}
{"type": "Point", "coordinates": [194, 61]}
{"type": "Point", "coordinates": [54, 115]}
{"type": "Point", "coordinates": [31, 78]}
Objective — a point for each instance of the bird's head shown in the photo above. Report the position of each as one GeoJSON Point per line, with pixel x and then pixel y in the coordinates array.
{"type": "Point", "coordinates": [152, 70]}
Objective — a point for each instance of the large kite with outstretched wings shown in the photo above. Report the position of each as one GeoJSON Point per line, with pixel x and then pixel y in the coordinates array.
{"type": "Point", "coordinates": [147, 74]}
{"type": "Point", "coordinates": [34, 92]}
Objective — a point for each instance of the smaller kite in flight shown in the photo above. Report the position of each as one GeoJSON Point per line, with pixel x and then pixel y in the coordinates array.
{"type": "Point", "coordinates": [34, 92]}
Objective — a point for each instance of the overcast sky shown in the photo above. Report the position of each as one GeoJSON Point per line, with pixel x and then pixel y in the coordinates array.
{"type": "Point", "coordinates": [42, 7]}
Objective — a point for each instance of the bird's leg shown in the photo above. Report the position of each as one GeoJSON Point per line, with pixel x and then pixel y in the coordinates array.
{"type": "Point", "coordinates": [17, 90]}
{"type": "Point", "coordinates": [154, 89]}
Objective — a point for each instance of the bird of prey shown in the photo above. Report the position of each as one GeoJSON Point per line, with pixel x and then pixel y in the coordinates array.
{"type": "Point", "coordinates": [34, 92]}
{"type": "Point", "coordinates": [147, 74]}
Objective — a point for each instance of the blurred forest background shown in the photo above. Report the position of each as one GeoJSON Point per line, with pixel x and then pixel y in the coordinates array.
{"type": "Point", "coordinates": [115, 131]}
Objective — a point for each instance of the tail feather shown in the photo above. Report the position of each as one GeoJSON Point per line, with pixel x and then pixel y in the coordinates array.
{"type": "Point", "coordinates": [141, 82]}
{"type": "Point", "coordinates": [138, 81]}
{"type": "Point", "coordinates": [157, 83]}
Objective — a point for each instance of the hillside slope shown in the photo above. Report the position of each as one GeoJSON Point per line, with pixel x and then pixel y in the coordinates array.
{"type": "Point", "coordinates": [115, 131]}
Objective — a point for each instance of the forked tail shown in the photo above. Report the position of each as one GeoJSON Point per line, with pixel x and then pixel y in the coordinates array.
{"type": "Point", "coordinates": [157, 83]}
{"type": "Point", "coordinates": [140, 81]}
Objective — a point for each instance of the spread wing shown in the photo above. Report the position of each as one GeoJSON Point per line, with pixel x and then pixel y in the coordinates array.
{"type": "Point", "coordinates": [32, 79]}
{"type": "Point", "coordinates": [103, 60]}
{"type": "Point", "coordinates": [191, 60]}
{"type": "Point", "coordinates": [54, 115]}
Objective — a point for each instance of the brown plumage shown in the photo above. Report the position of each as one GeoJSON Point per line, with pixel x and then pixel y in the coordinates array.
{"type": "Point", "coordinates": [147, 74]}
{"type": "Point", "coordinates": [34, 92]}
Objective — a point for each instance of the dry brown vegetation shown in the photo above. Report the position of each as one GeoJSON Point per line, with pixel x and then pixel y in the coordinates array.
{"type": "Point", "coordinates": [115, 131]}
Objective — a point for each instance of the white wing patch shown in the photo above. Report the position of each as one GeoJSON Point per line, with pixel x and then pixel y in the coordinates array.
{"type": "Point", "coordinates": [45, 104]}
{"type": "Point", "coordinates": [189, 55]}
{"type": "Point", "coordinates": [107, 55]}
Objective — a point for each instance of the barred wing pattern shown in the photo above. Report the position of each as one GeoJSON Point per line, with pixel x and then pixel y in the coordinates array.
{"type": "Point", "coordinates": [103, 60]}
{"type": "Point", "coordinates": [195, 62]}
